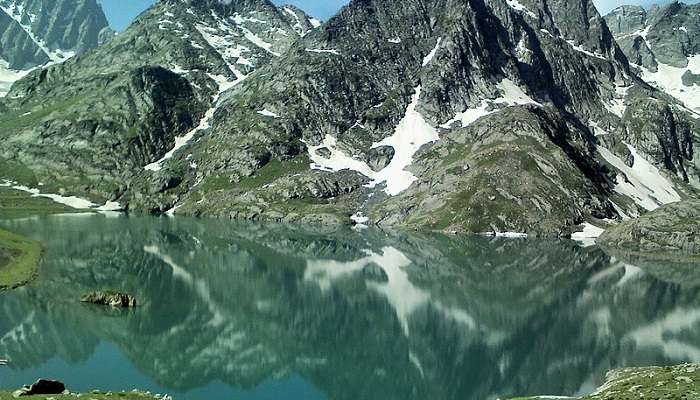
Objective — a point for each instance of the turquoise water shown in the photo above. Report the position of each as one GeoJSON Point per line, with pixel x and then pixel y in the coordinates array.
{"type": "Point", "coordinates": [246, 311]}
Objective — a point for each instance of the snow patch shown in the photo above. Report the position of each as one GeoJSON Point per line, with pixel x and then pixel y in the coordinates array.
{"type": "Point", "coordinates": [642, 182]}
{"type": "Point", "coordinates": [518, 6]}
{"type": "Point", "coordinates": [412, 133]}
{"type": "Point", "coordinates": [432, 53]}
{"type": "Point", "coordinates": [669, 79]}
{"type": "Point", "coordinates": [359, 218]}
{"type": "Point", "coordinates": [70, 201]}
{"type": "Point", "coordinates": [8, 77]}
{"type": "Point", "coordinates": [314, 22]}
{"type": "Point", "coordinates": [323, 51]}
{"type": "Point", "coordinates": [617, 104]}
{"type": "Point", "coordinates": [267, 113]}
{"type": "Point", "coordinates": [511, 95]}
{"type": "Point", "coordinates": [588, 235]}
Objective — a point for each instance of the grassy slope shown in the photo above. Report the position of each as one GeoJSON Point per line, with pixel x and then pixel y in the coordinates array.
{"type": "Point", "coordinates": [673, 383]}
{"type": "Point", "coordinates": [18, 204]}
{"type": "Point", "coordinates": [19, 258]}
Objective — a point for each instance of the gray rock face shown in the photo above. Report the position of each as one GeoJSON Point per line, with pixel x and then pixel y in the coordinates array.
{"type": "Point", "coordinates": [625, 20]}
{"type": "Point", "coordinates": [669, 34]}
{"type": "Point", "coordinates": [672, 228]}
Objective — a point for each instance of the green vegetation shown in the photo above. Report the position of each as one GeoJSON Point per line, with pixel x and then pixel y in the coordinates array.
{"type": "Point", "coordinates": [19, 258]}
{"type": "Point", "coordinates": [673, 383]}
{"type": "Point", "coordinates": [89, 396]}
{"type": "Point", "coordinates": [19, 204]}
{"type": "Point", "coordinates": [20, 118]}
{"type": "Point", "coordinates": [274, 170]}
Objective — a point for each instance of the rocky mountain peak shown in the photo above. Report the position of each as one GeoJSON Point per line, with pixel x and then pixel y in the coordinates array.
{"type": "Point", "coordinates": [46, 31]}
{"type": "Point", "coordinates": [34, 33]}
{"type": "Point", "coordinates": [665, 45]}
{"type": "Point", "coordinates": [626, 19]}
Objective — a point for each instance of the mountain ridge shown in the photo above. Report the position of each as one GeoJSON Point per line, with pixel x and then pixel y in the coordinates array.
{"type": "Point", "coordinates": [35, 33]}
{"type": "Point", "coordinates": [322, 128]}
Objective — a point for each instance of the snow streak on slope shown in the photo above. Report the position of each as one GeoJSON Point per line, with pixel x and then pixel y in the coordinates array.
{"type": "Point", "coordinates": [432, 53]}
{"type": "Point", "coordinates": [70, 201]}
{"type": "Point", "coordinates": [410, 135]}
{"type": "Point", "coordinates": [204, 124]}
{"type": "Point", "coordinates": [518, 6]}
{"type": "Point", "coordinates": [642, 182]}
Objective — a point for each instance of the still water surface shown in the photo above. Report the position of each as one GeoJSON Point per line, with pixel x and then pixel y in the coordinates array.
{"type": "Point", "coordinates": [235, 311]}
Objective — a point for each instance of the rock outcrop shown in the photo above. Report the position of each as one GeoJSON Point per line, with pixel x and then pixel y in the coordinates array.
{"type": "Point", "coordinates": [110, 298]}
{"type": "Point", "coordinates": [671, 228]}
{"type": "Point", "coordinates": [40, 387]}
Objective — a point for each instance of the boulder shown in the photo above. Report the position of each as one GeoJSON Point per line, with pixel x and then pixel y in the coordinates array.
{"type": "Point", "coordinates": [109, 298]}
{"type": "Point", "coordinates": [42, 386]}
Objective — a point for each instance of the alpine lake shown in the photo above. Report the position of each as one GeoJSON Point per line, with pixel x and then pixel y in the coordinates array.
{"type": "Point", "coordinates": [258, 311]}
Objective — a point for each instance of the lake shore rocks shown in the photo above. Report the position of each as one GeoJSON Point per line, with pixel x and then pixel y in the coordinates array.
{"type": "Point", "coordinates": [673, 228]}
{"type": "Point", "coordinates": [110, 298]}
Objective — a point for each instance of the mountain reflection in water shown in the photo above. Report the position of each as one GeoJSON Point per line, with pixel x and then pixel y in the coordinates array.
{"type": "Point", "coordinates": [252, 311]}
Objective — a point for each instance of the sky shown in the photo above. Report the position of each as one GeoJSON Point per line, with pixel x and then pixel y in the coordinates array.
{"type": "Point", "coordinates": [121, 12]}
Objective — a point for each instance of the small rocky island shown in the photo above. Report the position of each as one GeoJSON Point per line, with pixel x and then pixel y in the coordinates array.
{"type": "Point", "coordinates": [110, 298]}
{"type": "Point", "coordinates": [673, 228]}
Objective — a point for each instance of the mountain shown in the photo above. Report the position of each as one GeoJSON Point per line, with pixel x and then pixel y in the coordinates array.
{"type": "Point", "coordinates": [478, 116]}
{"type": "Point", "coordinates": [94, 121]}
{"type": "Point", "coordinates": [34, 33]}
{"type": "Point", "coordinates": [665, 45]}
{"type": "Point", "coordinates": [360, 97]}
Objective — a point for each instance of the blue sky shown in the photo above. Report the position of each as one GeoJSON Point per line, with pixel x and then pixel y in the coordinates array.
{"type": "Point", "coordinates": [121, 12]}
